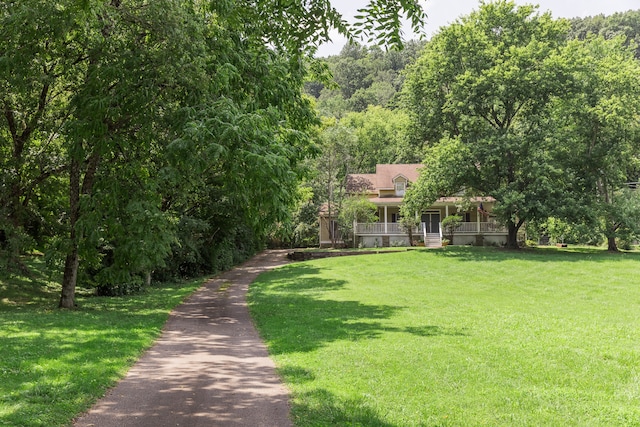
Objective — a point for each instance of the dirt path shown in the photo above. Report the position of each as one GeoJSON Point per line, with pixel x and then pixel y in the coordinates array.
{"type": "Point", "coordinates": [209, 367]}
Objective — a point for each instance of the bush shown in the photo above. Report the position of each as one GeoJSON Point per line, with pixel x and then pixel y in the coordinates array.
{"type": "Point", "coordinates": [625, 244]}
{"type": "Point", "coordinates": [135, 286]}
{"type": "Point", "coordinates": [14, 241]}
{"type": "Point", "coordinates": [450, 224]}
{"type": "Point", "coordinates": [201, 249]}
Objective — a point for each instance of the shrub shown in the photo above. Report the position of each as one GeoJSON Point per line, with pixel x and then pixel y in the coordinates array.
{"type": "Point", "coordinates": [450, 224]}
{"type": "Point", "coordinates": [134, 286]}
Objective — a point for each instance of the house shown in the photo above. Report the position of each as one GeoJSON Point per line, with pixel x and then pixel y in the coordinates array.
{"type": "Point", "coordinates": [386, 189]}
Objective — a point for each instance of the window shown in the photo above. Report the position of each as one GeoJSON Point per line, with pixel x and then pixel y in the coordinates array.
{"type": "Point", "coordinates": [395, 217]}
{"type": "Point", "coordinates": [400, 187]}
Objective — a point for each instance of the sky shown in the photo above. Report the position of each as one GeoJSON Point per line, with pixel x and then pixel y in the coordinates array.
{"type": "Point", "coordinates": [443, 12]}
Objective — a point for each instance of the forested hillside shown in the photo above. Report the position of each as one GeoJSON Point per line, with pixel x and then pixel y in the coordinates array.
{"type": "Point", "coordinates": [625, 24]}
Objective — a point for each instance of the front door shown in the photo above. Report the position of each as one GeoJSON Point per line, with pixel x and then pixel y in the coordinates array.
{"type": "Point", "coordinates": [431, 220]}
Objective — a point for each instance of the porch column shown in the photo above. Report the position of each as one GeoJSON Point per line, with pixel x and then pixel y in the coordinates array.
{"type": "Point", "coordinates": [478, 219]}
{"type": "Point", "coordinates": [446, 211]}
{"type": "Point", "coordinates": [385, 219]}
{"type": "Point", "coordinates": [355, 233]}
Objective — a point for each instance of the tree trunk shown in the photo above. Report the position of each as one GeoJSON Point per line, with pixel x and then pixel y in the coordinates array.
{"type": "Point", "coordinates": [611, 244]}
{"type": "Point", "coordinates": [67, 299]}
{"type": "Point", "coordinates": [512, 237]}
{"type": "Point", "coordinates": [70, 277]}
{"type": "Point", "coordinates": [72, 260]}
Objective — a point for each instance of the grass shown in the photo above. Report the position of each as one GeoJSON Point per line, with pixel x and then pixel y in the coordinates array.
{"type": "Point", "coordinates": [457, 337]}
{"type": "Point", "coordinates": [55, 363]}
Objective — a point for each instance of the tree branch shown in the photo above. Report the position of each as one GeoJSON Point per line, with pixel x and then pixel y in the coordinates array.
{"type": "Point", "coordinates": [11, 121]}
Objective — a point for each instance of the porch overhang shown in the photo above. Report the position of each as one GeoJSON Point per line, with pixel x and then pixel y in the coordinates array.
{"type": "Point", "coordinates": [386, 201]}
{"type": "Point", "coordinates": [442, 201]}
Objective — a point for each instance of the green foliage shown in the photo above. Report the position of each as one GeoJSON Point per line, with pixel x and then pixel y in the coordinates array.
{"type": "Point", "coordinates": [381, 137]}
{"type": "Point", "coordinates": [288, 26]}
{"type": "Point", "coordinates": [332, 167]}
{"type": "Point", "coordinates": [385, 17]}
{"type": "Point", "coordinates": [135, 285]}
{"type": "Point", "coordinates": [528, 338]}
{"type": "Point", "coordinates": [301, 230]}
{"type": "Point", "coordinates": [450, 224]}
{"type": "Point", "coordinates": [36, 67]}
{"type": "Point", "coordinates": [365, 76]}
{"type": "Point", "coordinates": [624, 215]}
{"type": "Point", "coordinates": [446, 168]}
{"type": "Point", "coordinates": [625, 24]}
{"type": "Point", "coordinates": [558, 139]}
{"type": "Point", "coordinates": [14, 241]}
{"type": "Point", "coordinates": [597, 127]}
{"type": "Point", "coordinates": [561, 231]}
{"type": "Point", "coordinates": [136, 108]}
{"type": "Point", "coordinates": [306, 220]}
{"type": "Point", "coordinates": [358, 209]}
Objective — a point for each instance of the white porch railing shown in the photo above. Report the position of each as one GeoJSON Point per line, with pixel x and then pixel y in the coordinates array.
{"type": "Point", "coordinates": [480, 227]}
{"type": "Point", "coordinates": [380, 228]}
{"type": "Point", "coordinates": [468, 227]}
{"type": "Point", "coordinates": [492, 227]}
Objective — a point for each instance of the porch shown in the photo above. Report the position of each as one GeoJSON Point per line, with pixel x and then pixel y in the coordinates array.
{"type": "Point", "coordinates": [431, 234]}
{"type": "Point", "coordinates": [394, 228]}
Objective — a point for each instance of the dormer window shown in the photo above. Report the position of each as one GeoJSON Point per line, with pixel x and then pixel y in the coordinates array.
{"type": "Point", "coordinates": [400, 187]}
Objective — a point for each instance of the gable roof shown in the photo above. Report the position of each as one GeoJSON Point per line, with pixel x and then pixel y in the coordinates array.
{"type": "Point", "coordinates": [386, 173]}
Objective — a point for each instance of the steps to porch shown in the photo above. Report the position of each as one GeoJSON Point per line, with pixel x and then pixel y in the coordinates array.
{"type": "Point", "coordinates": [432, 240]}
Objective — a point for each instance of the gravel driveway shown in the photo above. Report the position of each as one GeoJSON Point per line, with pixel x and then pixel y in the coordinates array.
{"type": "Point", "coordinates": [208, 368]}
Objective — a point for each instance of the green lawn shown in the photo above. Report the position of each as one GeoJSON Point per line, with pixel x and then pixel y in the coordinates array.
{"type": "Point", "coordinates": [457, 337]}
{"type": "Point", "coordinates": [54, 364]}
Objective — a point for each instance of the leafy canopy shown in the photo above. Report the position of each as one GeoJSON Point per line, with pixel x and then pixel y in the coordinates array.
{"type": "Point", "coordinates": [477, 97]}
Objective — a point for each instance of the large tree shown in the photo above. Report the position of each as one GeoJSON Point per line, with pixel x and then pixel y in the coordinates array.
{"type": "Point", "coordinates": [597, 123]}
{"type": "Point", "coordinates": [477, 97]}
{"type": "Point", "coordinates": [331, 169]}
{"type": "Point", "coordinates": [38, 68]}
{"type": "Point", "coordinates": [158, 114]}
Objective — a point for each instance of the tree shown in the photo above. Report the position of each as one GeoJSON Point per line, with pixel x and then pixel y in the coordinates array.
{"type": "Point", "coordinates": [364, 76]}
{"type": "Point", "coordinates": [597, 124]}
{"type": "Point", "coordinates": [622, 219]}
{"type": "Point", "coordinates": [37, 68]}
{"type": "Point", "coordinates": [450, 224]}
{"type": "Point", "coordinates": [381, 137]}
{"type": "Point", "coordinates": [356, 209]}
{"type": "Point", "coordinates": [625, 24]}
{"type": "Point", "coordinates": [408, 223]}
{"type": "Point", "coordinates": [123, 110]}
{"type": "Point", "coordinates": [477, 97]}
{"type": "Point", "coordinates": [350, 71]}
{"type": "Point", "coordinates": [156, 115]}
{"type": "Point", "coordinates": [332, 168]}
